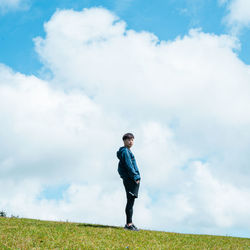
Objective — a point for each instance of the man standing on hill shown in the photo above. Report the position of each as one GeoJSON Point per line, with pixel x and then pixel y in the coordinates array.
{"type": "Point", "coordinates": [129, 172]}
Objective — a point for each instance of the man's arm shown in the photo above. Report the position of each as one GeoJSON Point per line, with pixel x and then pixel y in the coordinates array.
{"type": "Point", "coordinates": [129, 165]}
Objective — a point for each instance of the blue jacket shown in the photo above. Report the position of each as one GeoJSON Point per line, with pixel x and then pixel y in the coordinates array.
{"type": "Point", "coordinates": [127, 167]}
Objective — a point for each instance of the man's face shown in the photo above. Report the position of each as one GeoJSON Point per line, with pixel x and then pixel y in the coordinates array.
{"type": "Point", "coordinates": [129, 142]}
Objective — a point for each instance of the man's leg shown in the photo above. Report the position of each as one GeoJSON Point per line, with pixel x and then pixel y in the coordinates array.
{"type": "Point", "coordinates": [129, 208]}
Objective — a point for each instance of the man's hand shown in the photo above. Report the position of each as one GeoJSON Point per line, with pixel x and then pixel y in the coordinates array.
{"type": "Point", "coordinates": [137, 181]}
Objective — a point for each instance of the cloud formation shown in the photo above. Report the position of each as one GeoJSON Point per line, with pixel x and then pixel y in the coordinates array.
{"type": "Point", "coordinates": [238, 14]}
{"type": "Point", "coordinates": [185, 100]}
{"type": "Point", "coordinates": [10, 5]}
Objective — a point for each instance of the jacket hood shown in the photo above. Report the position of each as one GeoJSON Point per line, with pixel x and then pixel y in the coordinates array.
{"type": "Point", "coordinates": [119, 152]}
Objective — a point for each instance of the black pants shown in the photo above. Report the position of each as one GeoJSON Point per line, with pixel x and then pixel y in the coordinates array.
{"type": "Point", "coordinates": [129, 208]}
{"type": "Point", "coordinates": [132, 189]}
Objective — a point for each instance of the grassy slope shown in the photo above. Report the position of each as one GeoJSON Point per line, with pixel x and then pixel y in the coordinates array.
{"type": "Point", "coordinates": [30, 233]}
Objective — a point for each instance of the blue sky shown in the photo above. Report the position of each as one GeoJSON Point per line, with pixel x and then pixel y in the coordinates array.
{"type": "Point", "coordinates": [166, 19]}
{"type": "Point", "coordinates": [76, 75]}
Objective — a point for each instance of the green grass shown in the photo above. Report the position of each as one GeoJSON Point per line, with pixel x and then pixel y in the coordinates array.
{"type": "Point", "coordinates": [21, 233]}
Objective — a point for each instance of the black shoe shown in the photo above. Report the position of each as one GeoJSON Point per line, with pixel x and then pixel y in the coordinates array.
{"type": "Point", "coordinates": [130, 227]}
{"type": "Point", "coordinates": [137, 229]}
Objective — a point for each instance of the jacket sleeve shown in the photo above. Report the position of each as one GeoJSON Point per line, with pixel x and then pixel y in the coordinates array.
{"type": "Point", "coordinates": [136, 167]}
{"type": "Point", "coordinates": [129, 165]}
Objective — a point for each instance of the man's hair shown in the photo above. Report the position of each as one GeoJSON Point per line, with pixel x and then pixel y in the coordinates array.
{"type": "Point", "coordinates": [128, 136]}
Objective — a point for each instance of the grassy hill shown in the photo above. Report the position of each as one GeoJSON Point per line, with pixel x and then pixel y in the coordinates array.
{"type": "Point", "coordinates": [37, 234]}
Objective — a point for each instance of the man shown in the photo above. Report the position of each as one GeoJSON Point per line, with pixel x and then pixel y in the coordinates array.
{"type": "Point", "coordinates": [129, 172]}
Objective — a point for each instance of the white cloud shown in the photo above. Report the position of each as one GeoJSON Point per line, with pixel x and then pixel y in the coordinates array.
{"type": "Point", "coordinates": [8, 5]}
{"type": "Point", "coordinates": [185, 100]}
{"type": "Point", "coordinates": [238, 14]}
{"type": "Point", "coordinates": [55, 127]}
